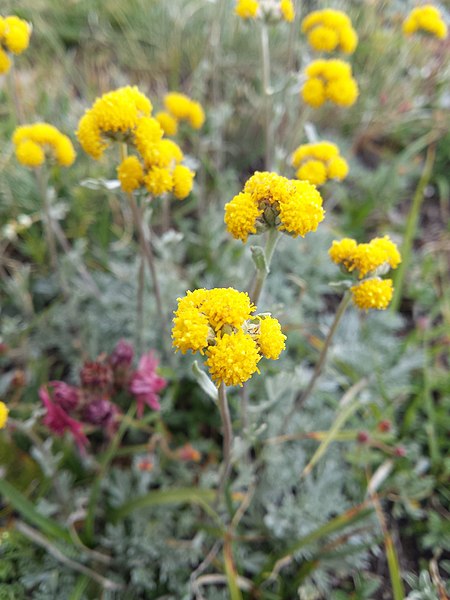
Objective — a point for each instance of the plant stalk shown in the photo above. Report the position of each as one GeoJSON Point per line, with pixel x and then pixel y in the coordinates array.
{"type": "Point", "coordinates": [411, 227]}
{"type": "Point", "coordinates": [227, 439]}
{"type": "Point", "coordinates": [261, 274]}
{"type": "Point", "coordinates": [304, 395]}
{"type": "Point", "coordinates": [267, 89]}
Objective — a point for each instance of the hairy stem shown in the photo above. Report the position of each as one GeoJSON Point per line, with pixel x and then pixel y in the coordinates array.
{"type": "Point", "coordinates": [262, 272]}
{"type": "Point", "coordinates": [227, 439]}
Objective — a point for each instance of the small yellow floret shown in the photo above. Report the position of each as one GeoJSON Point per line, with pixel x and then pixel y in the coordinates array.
{"type": "Point", "coordinates": [342, 252]}
{"type": "Point", "coordinates": [323, 39]}
{"type": "Point", "coordinates": [183, 108]}
{"type": "Point", "coordinates": [425, 18]}
{"type": "Point", "coordinates": [301, 211]}
{"type": "Point", "coordinates": [234, 359]}
{"type": "Point", "coordinates": [3, 414]}
{"type": "Point", "coordinates": [130, 174]}
{"type": "Point", "coordinates": [16, 34]}
{"type": "Point", "coordinates": [240, 216]}
{"type": "Point", "coordinates": [168, 123]}
{"type": "Point", "coordinates": [373, 293]}
{"type": "Point", "coordinates": [313, 171]}
{"type": "Point", "coordinates": [270, 338]}
{"type": "Point", "coordinates": [313, 92]}
{"type": "Point", "coordinates": [158, 181]}
{"type": "Point", "coordinates": [30, 154]}
{"type": "Point", "coordinates": [337, 168]}
{"type": "Point", "coordinates": [5, 62]}
{"type": "Point", "coordinates": [227, 306]}
{"type": "Point", "coordinates": [247, 9]}
{"type": "Point", "coordinates": [183, 180]}
{"type": "Point", "coordinates": [190, 330]}
{"type": "Point", "coordinates": [343, 92]}
{"type": "Point", "coordinates": [287, 10]}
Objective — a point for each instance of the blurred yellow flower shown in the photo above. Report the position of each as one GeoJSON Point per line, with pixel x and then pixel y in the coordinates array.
{"type": "Point", "coordinates": [14, 36]}
{"type": "Point", "coordinates": [130, 174]}
{"type": "Point", "coordinates": [425, 18]}
{"type": "Point", "coordinates": [330, 30]}
{"type": "Point", "coordinates": [318, 162]}
{"type": "Point", "coordinates": [168, 123]}
{"type": "Point", "coordinates": [329, 80]}
{"type": "Point", "coordinates": [35, 142]}
{"type": "Point", "coordinates": [247, 9]}
{"type": "Point", "coordinates": [3, 414]}
{"type": "Point", "coordinates": [183, 179]}
{"type": "Point", "coordinates": [183, 108]}
{"type": "Point", "coordinates": [365, 258]}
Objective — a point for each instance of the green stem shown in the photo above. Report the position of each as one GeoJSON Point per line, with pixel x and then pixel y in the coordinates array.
{"type": "Point", "coordinates": [267, 89]}
{"type": "Point", "coordinates": [411, 227]}
{"type": "Point", "coordinates": [263, 271]}
{"type": "Point", "coordinates": [89, 525]}
{"type": "Point", "coordinates": [227, 439]}
{"type": "Point", "coordinates": [304, 395]}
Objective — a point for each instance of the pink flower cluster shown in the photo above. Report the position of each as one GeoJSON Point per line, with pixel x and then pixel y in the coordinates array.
{"type": "Point", "coordinates": [97, 402]}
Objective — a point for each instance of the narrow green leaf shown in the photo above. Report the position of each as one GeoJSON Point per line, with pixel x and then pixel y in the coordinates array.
{"type": "Point", "coordinates": [161, 497]}
{"type": "Point", "coordinates": [80, 587]}
{"type": "Point", "coordinates": [394, 568]}
{"type": "Point", "coordinates": [346, 519]}
{"type": "Point", "coordinates": [230, 571]}
{"type": "Point", "coordinates": [23, 506]}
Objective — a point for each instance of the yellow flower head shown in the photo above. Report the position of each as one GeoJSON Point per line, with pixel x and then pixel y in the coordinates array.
{"type": "Point", "coordinates": [14, 34]}
{"type": "Point", "coordinates": [3, 414]}
{"type": "Point", "coordinates": [241, 215]}
{"type": "Point", "coordinates": [319, 162]}
{"type": "Point", "coordinates": [271, 11]}
{"type": "Point", "coordinates": [373, 293]}
{"type": "Point", "coordinates": [5, 62]}
{"type": "Point", "coordinates": [146, 135]}
{"type": "Point", "coordinates": [342, 252]}
{"type": "Point", "coordinates": [270, 338]}
{"type": "Point", "coordinates": [301, 211]}
{"type": "Point", "coordinates": [182, 108]}
{"type": "Point", "coordinates": [34, 142]}
{"type": "Point", "coordinates": [425, 18]}
{"type": "Point", "coordinates": [379, 253]}
{"type": "Point", "coordinates": [130, 174]}
{"type": "Point", "coordinates": [183, 179]}
{"type": "Point", "coordinates": [270, 200]}
{"type": "Point", "coordinates": [158, 181]}
{"type": "Point", "coordinates": [113, 117]}
{"type": "Point", "coordinates": [330, 30]}
{"type": "Point", "coordinates": [247, 9]}
{"type": "Point", "coordinates": [168, 123]}
{"type": "Point", "coordinates": [234, 359]}
{"type": "Point", "coordinates": [329, 80]}
{"type": "Point", "coordinates": [287, 10]}
{"type": "Point", "coordinates": [219, 323]}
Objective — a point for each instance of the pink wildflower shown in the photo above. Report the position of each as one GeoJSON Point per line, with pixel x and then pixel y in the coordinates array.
{"type": "Point", "coordinates": [59, 421]}
{"type": "Point", "coordinates": [145, 383]}
{"type": "Point", "coordinates": [65, 395]}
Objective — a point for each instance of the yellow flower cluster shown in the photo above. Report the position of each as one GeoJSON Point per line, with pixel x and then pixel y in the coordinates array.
{"type": "Point", "coordinates": [269, 10]}
{"type": "Point", "coordinates": [373, 293]}
{"type": "Point", "coordinates": [369, 260]}
{"type": "Point", "coordinates": [365, 258]}
{"type": "Point", "coordinates": [425, 18]}
{"type": "Point", "coordinates": [329, 80]}
{"type": "Point", "coordinates": [14, 37]}
{"type": "Point", "coordinates": [219, 323]}
{"type": "Point", "coordinates": [3, 414]}
{"type": "Point", "coordinates": [180, 108]}
{"type": "Point", "coordinates": [329, 30]}
{"type": "Point", "coordinates": [319, 162]}
{"type": "Point", "coordinates": [124, 116]}
{"type": "Point", "coordinates": [35, 142]}
{"type": "Point", "coordinates": [270, 200]}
